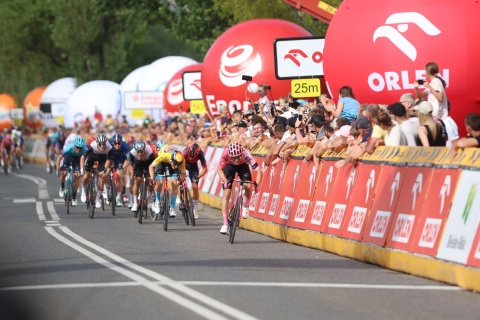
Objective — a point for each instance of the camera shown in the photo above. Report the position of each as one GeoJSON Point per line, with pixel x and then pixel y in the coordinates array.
{"type": "Point", "coordinates": [247, 78]}
{"type": "Point", "coordinates": [420, 81]}
{"type": "Point", "coordinates": [268, 87]}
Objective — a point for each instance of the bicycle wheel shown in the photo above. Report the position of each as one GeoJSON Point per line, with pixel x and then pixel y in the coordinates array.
{"type": "Point", "coordinates": [235, 218]}
{"type": "Point", "coordinates": [153, 215]}
{"type": "Point", "coordinates": [141, 202]}
{"type": "Point", "coordinates": [165, 208]}
{"type": "Point", "coordinates": [68, 195]}
{"type": "Point", "coordinates": [113, 190]}
{"type": "Point", "coordinates": [190, 212]}
{"type": "Point", "coordinates": [91, 197]}
{"type": "Point", "coordinates": [182, 205]}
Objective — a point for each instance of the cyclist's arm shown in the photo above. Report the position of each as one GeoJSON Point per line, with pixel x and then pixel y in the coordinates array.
{"type": "Point", "coordinates": [151, 170]}
{"type": "Point", "coordinates": [82, 162]}
{"type": "Point", "coordinates": [59, 159]}
{"type": "Point", "coordinates": [258, 180]}
{"type": "Point", "coordinates": [222, 175]}
{"type": "Point", "coordinates": [204, 165]}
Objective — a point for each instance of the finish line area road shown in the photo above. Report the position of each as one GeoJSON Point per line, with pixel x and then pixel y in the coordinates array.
{"type": "Point", "coordinates": [59, 266]}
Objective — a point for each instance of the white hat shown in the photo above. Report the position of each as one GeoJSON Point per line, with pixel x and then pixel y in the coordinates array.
{"type": "Point", "coordinates": [424, 107]}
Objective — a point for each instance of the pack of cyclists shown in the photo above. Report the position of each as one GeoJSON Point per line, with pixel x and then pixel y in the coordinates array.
{"type": "Point", "coordinates": [11, 144]}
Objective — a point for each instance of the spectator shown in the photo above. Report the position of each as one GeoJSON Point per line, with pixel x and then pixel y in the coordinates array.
{"type": "Point", "coordinates": [408, 100]}
{"type": "Point", "coordinates": [347, 106]}
{"type": "Point", "coordinates": [430, 133]}
{"type": "Point", "coordinates": [395, 136]}
{"type": "Point", "coordinates": [472, 125]}
{"type": "Point", "coordinates": [451, 128]}
{"type": "Point", "coordinates": [378, 135]}
{"type": "Point", "coordinates": [237, 116]}
{"type": "Point", "coordinates": [409, 126]}
{"type": "Point", "coordinates": [434, 92]}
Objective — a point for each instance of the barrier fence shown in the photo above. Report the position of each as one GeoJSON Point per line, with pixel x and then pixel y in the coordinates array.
{"type": "Point", "coordinates": [411, 209]}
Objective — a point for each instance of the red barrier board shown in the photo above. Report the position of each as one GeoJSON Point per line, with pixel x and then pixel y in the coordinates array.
{"type": "Point", "coordinates": [303, 194]}
{"type": "Point", "coordinates": [288, 191]}
{"type": "Point", "coordinates": [323, 192]}
{"type": "Point", "coordinates": [361, 200]}
{"type": "Point", "coordinates": [253, 205]}
{"type": "Point", "coordinates": [410, 203]}
{"type": "Point", "coordinates": [337, 204]}
{"type": "Point", "coordinates": [434, 212]}
{"type": "Point", "coordinates": [386, 197]}
{"type": "Point", "coordinates": [270, 191]}
{"type": "Point", "coordinates": [209, 152]}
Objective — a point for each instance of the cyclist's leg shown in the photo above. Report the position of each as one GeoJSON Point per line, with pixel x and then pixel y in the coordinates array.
{"type": "Point", "coordinates": [245, 175]}
{"type": "Point", "coordinates": [137, 181]}
{"type": "Point", "coordinates": [89, 162]}
{"type": "Point", "coordinates": [159, 176]}
{"type": "Point", "coordinates": [229, 172]}
{"type": "Point", "coordinates": [193, 174]}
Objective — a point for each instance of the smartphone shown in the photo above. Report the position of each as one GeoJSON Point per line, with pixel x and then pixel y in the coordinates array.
{"type": "Point", "coordinates": [300, 117]}
{"type": "Point", "coordinates": [247, 78]}
{"type": "Point", "coordinates": [255, 105]}
{"type": "Point", "coordinates": [420, 81]}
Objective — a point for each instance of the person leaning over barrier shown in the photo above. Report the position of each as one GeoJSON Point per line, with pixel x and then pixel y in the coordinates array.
{"type": "Point", "coordinates": [472, 125]}
{"type": "Point", "coordinates": [409, 126]}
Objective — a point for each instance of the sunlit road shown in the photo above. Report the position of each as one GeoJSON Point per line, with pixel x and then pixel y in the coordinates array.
{"type": "Point", "coordinates": [59, 266]}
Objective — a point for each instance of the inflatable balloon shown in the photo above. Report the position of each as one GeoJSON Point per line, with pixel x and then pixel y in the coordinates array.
{"type": "Point", "coordinates": [380, 48]}
{"type": "Point", "coordinates": [130, 84]}
{"type": "Point", "coordinates": [245, 49]}
{"type": "Point", "coordinates": [56, 93]}
{"type": "Point", "coordinates": [173, 94]}
{"type": "Point", "coordinates": [252, 87]}
{"type": "Point", "coordinates": [31, 108]}
{"type": "Point", "coordinates": [7, 102]}
{"type": "Point", "coordinates": [95, 100]}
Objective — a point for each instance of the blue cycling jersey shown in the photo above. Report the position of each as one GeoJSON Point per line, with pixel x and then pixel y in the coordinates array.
{"type": "Point", "coordinates": [69, 150]}
{"type": "Point", "coordinates": [121, 153]}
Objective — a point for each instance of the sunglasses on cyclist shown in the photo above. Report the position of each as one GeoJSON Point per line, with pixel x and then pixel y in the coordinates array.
{"type": "Point", "coordinates": [117, 143]}
{"type": "Point", "coordinates": [236, 158]}
{"type": "Point", "coordinates": [102, 145]}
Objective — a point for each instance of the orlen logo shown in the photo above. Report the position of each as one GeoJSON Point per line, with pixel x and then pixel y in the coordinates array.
{"type": "Point", "coordinates": [293, 53]}
{"type": "Point", "coordinates": [175, 92]}
{"type": "Point", "coordinates": [238, 61]}
{"type": "Point", "coordinates": [395, 35]}
{"type": "Point", "coordinates": [197, 84]}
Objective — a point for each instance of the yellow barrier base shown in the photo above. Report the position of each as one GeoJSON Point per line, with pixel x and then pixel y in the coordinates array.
{"type": "Point", "coordinates": [418, 265]}
{"type": "Point", "coordinates": [34, 160]}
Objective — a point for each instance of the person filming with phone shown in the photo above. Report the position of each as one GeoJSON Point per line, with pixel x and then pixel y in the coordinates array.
{"type": "Point", "coordinates": [434, 91]}
{"type": "Point", "coordinates": [262, 106]}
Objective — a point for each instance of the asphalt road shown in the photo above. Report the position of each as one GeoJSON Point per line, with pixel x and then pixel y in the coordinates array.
{"type": "Point", "coordinates": [59, 266]}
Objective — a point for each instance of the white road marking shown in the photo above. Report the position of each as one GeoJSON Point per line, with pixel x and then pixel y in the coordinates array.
{"type": "Point", "coordinates": [174, 297]}
{"type": "Point", "coordinates": [53, 224]}
{"type": "Point", "coordinates": [26, 200]}
{"type": "Point", "coordinates": [236, 284]}
{"type": "Point", "coordinates": [40, 213]}
{"type": "Point", "coordinates": [59, 200]}
{"type": "Point", "coordinates": [235, 313]}
{"type": "Point", "coordinates": [42, 184]}
{"type": "Point", "coordinates": [52, 211]}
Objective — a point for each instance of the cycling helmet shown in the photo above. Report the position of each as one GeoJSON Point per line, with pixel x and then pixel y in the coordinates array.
{"type": "Point", "coordinates": [117, 138]}
{"type": "Point", "coordinates": [101, 139]}
{"type": "Point", "coordinates": [79, 143]}
{"type": "Point", "coordinates": [160, 143]}
{"type": "Point", "coordinates": [177, 158]}
{"type": "Point", "coordinates": [139, 146]}
{"type": "Point", "coordinates": [193, 151]}
{"type": "Point", "coordinates": [234, 149]}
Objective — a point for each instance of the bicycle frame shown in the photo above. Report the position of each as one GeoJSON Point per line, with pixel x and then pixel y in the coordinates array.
{"type": "Point", "coordinates": [235, 212]}
{"type": "Point", "coordinates": [186, 204]}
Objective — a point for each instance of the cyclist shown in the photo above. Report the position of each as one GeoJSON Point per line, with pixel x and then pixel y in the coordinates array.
{"type": "Point", "coordinates": [118, 155]}
{"type": "Point", "coordinates": [18, 144]}
{"type": "Point", "coordinates": [97, 151]}
{"type": "Point", "coordinates": [171, 158]}
{"type": "Point", "coordinates": [7, 146]}
{"type": "Point", "coordinates": [71, 155]}
{"type": "Point", "coordinates": [140, 157]}
{"type": "Point", "coordinates": [192, 154]}
{"type": "Point", "coordinates": [48, 146]}
{"type": "Point", "coordinates": [236, 159]}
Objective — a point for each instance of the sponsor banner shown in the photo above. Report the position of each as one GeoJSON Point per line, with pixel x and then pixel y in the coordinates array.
{"type": "Point", "coordinates": [304, 194]}
{"type": "Point", "coordinates": [273, 184]}
{"type": "Point", "coordinates": [410, 204]}
{"type": "Point", "coordinates": [337, 203]}
{"type": "Point", "coordinates": [288, 191]}
{"type": "Point", "coordinates": [463, 220]}
{"type": "Point", "coordinates": [143, 99]}
{"type": "Point", "coordinates": [386, 197]}
{"type": "Point", "coordinates": [422, 156]}
{"type": "Point", "coordinates": [467, 158]}
{"type": "Point", "coordinates": [474, 259]}
{"type": "Point", "coordinates": [361, 200]}
{"type": "Point", "coordinates": [322, 195]}
{"type": "Point", "coordinates": [434, 211]}
{"type": "Point", "coordinates": [213, 154]}
{"type": "Point", "coordinates": [254, 201]}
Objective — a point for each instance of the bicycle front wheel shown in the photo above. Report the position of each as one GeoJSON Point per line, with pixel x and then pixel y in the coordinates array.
{"type": "Point", "coordinates": [68, 195]}
{"type": "Point", "coordinates": [190, 207]}
{"type": "Point", "coordinates": [165, 208]}
{"type": "Point", "coordinates": [234, 219]}
{"type": "Point", "coordinates": [182, 206]}
{"type": "Point", "coordinates": [141, 203]}
{"type": "Point", "coordinates": [113, 190]}
{"type": "Point", "coordinates": [91, 198]}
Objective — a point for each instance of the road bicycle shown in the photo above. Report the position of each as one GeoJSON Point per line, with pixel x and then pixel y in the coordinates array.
{"type": "Point", "coordinates": [113, 189]}
{"type": "Point", "coordinates": [69, 184]}
{"type": "Point", "coordinates": [92, 193]}
{"type": "Point", "coordinates": [186, 203]}
{"type": "Point", "coordinates": [235, 212]}
{"type": "Point", "coordinates": [165, 202]}
{"type": "Point", "coordinates": [143, 201]}
{"type": "Point", "coordinates": [5, 161]}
